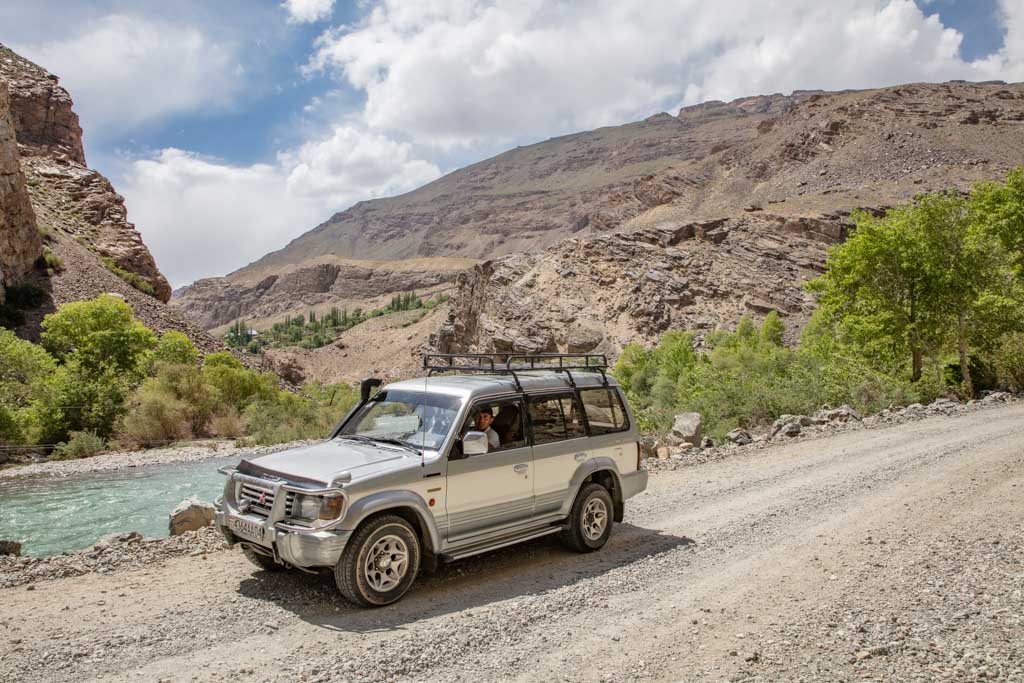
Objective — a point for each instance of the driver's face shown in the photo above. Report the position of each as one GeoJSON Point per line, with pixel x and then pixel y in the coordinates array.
{"type": "Point", "coordinates": [484, 420]}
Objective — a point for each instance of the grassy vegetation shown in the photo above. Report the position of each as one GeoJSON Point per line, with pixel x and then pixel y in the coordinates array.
{"type": "Point", "coordinates": [100, 376]}
{"type": "Point", "coordinates": [311, 332]}
{"type": "Point", "coordinates": [50, 261]}
{"type": "Point", "coordinates": [134, 279]}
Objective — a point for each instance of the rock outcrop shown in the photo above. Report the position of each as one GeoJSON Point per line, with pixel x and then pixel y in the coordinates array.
{"type": "Point", "coordinates": [71, 200]}
{"type": "Point", "coordinates": [20, 242]}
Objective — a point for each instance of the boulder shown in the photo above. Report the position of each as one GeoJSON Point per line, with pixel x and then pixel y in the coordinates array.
{"type": "Point", "coordinates": [790, 425]}
{"type": "Point", "coordinates": [997, 397]}
{"type": "Point", "coordinates": [843, 413]}
{"type": "Point", "coordinates": [663, 453]}
{"type": "Point", "coordinates": [790, 429]}
{"type": "Point", "coordinates": [707, 443]}
{"type": "Point", "coordinates": [685, 428]}
{"type": "Point", "coordinates": [739, 436]}
{"type": "Point", "coordinates": [190, 514]}
{"type": "Point", "coordinates": [120, 538]}
{"type": "Point", "coordinates": [10, 548]}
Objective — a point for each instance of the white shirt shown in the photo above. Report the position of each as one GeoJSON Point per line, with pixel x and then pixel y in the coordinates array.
{"type": "Point", "coordinates": [492, 438]}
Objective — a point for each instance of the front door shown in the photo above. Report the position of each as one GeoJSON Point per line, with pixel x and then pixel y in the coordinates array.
{"type": "Point", "coordinates": [491, 490]}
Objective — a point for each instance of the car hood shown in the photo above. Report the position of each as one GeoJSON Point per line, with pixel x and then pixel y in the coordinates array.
{"type": "Point", "coordinates": [324, 461]}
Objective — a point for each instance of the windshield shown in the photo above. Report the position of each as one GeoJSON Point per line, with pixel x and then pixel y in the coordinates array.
{"type": "Point", "coordinates": [414, 418]}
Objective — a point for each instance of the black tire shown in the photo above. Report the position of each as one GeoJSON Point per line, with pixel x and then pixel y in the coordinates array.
{"type": "Point", "coordinates": [264, 562]}
{"type": "Point", "coordinates": [578, 534]}
{"type": "Point", "coordinates": [357, 568]}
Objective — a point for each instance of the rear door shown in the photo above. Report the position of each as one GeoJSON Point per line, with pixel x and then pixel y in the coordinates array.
{"type": "Point", "coordinates": [609, 427]}
{"type": "Point", "coordinates": [494, 489]}
{"type": "Point", "coordinates": [559, 445]}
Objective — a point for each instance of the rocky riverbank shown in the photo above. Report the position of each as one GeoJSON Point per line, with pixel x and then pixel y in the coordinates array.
{"type": "Point", "coordinates": [157, 456]}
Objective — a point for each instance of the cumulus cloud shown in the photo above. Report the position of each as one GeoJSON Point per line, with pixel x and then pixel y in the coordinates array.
{"type": "Point", "coordinates": [202, 216]}
{"type": "Point", "coordinates": [469, 72]}
{"type": "Point", "coordinates": [124, 71]}
{"type": "Point", "coordinates": [308, 11]}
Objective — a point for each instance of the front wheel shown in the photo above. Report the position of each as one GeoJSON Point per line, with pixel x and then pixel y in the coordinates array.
{"type": "Point", "coordinates": [380, 562]}
{"type": "Point", "coordinates": [590, 520]}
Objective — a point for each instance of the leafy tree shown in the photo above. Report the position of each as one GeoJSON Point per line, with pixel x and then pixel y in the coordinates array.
{"type": "Point", "coordinates": [772, 329]}
{"type": "Point", "coordinates": [99, 334]}
{"type": "Point", "coordinates": [175, 347]}
{"type": "Point", "coordinates": [24, 370]}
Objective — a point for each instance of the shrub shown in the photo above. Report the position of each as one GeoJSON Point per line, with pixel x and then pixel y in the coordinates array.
{"type": "Point", "coordinates": [290, 417]}
{"type": "Point", "coordinates": [101, 332]}
{"type": "Point", "coordinates": [134, 279]}
{"type": "Point", "coordinates": [157, 418]}
{"type": "Point", "coordinates": [81, 445]}
{"type": "Point", "coordinates": [50, 260]}
{"type": "Point", "coordinates": [227, 424]}
{"type": "Point", "coordinates": [175, 347]}
{"type": "Point", "coordinates": [1008, 360]}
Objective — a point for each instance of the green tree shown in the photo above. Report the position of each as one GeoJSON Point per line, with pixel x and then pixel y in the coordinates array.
{"type": "Point", "coordinates": [101, 333]}
{"type": "Point", "coordinates": [772, 329]}
{"type": "Point", "coordinates": [24, 370]}
{"type": "Point", "coordinates": [175, 347]}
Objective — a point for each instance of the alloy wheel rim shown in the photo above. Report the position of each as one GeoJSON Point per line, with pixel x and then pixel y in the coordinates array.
{"type": "Point", "coordinates": [386, 563]}
{"type": "Point", "coordinates": [595, 519]}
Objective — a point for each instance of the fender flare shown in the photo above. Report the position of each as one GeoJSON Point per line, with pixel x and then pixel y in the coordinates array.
{"type": "Point", "coordinates": [585, 470]}
{"type": "Point", "coordinates": [389, 500]}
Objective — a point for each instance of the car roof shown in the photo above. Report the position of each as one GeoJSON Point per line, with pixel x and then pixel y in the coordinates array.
{"type": "Point", "coordinates": [469, 386]}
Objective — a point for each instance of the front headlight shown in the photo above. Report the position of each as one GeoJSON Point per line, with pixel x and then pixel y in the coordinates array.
{"type": "Point", "coordinates": [306, 507]}
{"type": "Point", "coordinates": [313, 508]}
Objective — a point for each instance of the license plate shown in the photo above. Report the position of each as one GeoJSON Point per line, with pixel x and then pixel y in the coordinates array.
{"type": "Point", "coordinates": [248, 530]}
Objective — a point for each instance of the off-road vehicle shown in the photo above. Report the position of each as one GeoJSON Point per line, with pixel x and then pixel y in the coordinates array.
{"type": "Point", "coordinates": [440, 468]}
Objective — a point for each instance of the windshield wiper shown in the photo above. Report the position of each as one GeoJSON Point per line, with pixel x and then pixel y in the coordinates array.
{"type": "Point", "coordinates": [382, 439]}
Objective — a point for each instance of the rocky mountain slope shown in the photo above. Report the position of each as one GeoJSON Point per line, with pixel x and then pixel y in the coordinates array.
{"type": "Point", "coordinates": [50, 196]}
{"type": "Point", "coordinates": [617, 234]}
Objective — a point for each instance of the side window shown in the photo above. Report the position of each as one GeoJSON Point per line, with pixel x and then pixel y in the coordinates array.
{"type": "Point", "coordinates": [556, 418]}
{"type": "Point", "coordinates": [605, 411]}
{"type": "Point", "coordinates": [501, 420]}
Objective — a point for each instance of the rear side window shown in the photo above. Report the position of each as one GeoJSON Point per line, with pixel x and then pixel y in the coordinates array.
{"type": "Point", "coordinates": [605, 411]}
{"type": "Point", "coordinates": [556, 418]}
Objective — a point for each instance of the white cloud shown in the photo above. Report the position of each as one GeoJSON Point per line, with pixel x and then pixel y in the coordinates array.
{"type": "Point", "coordinates": [469, 72]}
{"type": "Point", "coordinates": [123, 71]}
{"type": "Point", "coordinates": [308, 11]}
{"type": "Point", "coordinates": [202, 217]}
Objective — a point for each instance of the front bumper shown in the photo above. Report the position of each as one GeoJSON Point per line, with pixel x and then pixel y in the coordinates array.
{"type": "Point", "coordinates": [306, 549]}
{"type": "Point", "coordinates": [633, 483]}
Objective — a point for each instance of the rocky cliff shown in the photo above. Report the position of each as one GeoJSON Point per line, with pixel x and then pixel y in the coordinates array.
{"type": "Point", "coordinates": [20, 242]}
{"type": "Point", "coordinates": [70, 199]}
{"type": "Point", "coordinates": [49, 196]}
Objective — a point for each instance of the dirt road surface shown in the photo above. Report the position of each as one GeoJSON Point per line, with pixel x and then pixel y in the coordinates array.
{"type": "Point", "coordinates": [888, 554]}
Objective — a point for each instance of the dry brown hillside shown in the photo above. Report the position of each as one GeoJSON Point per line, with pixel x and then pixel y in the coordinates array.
{"type": "Point", "coordinates": [620, 233]}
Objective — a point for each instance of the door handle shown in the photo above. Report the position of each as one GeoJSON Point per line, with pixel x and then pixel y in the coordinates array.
{"type": "Point", "coordinates": [520, 468]}
{"type": "Point", "coordinates": [580, 456]}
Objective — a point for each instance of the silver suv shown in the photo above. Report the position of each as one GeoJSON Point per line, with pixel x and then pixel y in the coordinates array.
{"type": "Point", "coordinates": [441, 468]}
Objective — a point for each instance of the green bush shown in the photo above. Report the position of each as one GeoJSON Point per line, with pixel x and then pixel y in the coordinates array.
{"type": "Point", "coordinates": [175, 347]}
{"type": "Point", "coordinates": [102, 332]}
{"type": "Point", "coordinates": [1008, 360]}
{"type": "Point", "coordinates": [134, 279]}
{"type": "Point", "coordinates": [50, 260]}
{"type": "Point", "coordinates": [81, 445]}
{"type": "Point", "coordinates": [290, 417]}
{"type": "Point", "coordinates": [157, 418]}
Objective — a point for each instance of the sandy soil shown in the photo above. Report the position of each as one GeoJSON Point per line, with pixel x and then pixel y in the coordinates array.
{"type": "Point", "coordinates": [888, 554]}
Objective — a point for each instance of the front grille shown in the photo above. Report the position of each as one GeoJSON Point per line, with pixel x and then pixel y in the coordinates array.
{"type": "Point", "coordinates": [259, 498]}
{"type": "Point", "coordinates": [289, 503]}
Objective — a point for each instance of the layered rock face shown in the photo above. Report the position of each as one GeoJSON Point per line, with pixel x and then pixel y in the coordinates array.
{"type": "Point", "coordinates": [70, 199]}
{"type": "Point", "coordinates": [597, 294]}
{"type": "Point", "coordinates": [20, 242]}
{"type": "Point", "coordinates": [217, 301]}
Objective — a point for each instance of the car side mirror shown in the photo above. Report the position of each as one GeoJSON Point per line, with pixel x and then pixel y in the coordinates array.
{"type": "Point", "coordinates": [474, 443]}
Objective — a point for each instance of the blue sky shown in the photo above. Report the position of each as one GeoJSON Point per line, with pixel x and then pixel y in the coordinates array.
{"type": "Point", "coordinates": [233, 126]}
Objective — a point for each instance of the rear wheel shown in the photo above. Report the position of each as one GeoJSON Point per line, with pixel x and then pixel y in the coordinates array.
{"type": "Point", "coordinates": [590, 520]}
{"type": "Point", "coordinates": [380, 562]}
{"type": "Point", "coordinates": [264, 562]}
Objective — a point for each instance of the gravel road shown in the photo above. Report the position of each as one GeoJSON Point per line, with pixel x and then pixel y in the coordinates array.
{"type": "Point", "coordinates": [884, 554]}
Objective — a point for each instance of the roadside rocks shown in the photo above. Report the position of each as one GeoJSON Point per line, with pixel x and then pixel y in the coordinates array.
{"type": "Point", "coordinates": [685, 429]}
{"type": "Point", "coordinates": [739, 436]}
{"type": "Point", "coordinates": [12, 548]}
{"type": "Point", "coordinates": [997, 397]}
{"type": "Point", "coordinates": [190, 515]}
{"type": "Point", "coordinates": [107, 556]}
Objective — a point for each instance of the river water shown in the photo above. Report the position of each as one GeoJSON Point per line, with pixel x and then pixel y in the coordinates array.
{"type": "Point", "coordinates": [50, 515]}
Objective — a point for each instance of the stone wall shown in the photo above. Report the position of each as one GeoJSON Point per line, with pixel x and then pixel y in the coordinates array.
{"type": "Point", "coordinates": [20, 242]}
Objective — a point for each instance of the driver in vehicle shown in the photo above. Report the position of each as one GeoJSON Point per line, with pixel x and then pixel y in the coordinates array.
{"type": "Point", "coordinates": [484, 418]}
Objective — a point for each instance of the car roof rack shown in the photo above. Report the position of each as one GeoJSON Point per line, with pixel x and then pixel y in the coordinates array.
{"type": "Point", "coordinates": [513, 363]}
